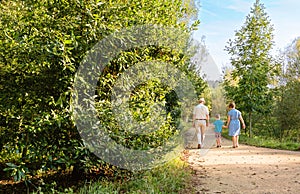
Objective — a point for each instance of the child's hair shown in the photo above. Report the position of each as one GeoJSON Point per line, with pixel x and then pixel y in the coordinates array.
{"type": "Point", "coordinates": [218, 116]}
{"type": "Point", "coordinates": [231, 105]}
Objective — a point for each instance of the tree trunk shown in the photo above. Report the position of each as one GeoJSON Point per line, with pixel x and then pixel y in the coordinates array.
{"type": "Point", "coordinates": [250, 124]}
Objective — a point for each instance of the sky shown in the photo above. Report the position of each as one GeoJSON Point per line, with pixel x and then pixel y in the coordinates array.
{"type": "Point", "coordinates": [220, 19]}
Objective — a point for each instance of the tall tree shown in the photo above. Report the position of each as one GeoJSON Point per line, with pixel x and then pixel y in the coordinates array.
{"type": "Point", "coordinates": [252, 63]}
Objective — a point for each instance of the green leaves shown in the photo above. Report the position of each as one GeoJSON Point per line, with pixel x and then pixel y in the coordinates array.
{"type": "Point", "coordinates": [18, 172]}
{"type": "Point", "coordinates": [41, 47]}
{"type": "Point", "coordinates": [287, 93]}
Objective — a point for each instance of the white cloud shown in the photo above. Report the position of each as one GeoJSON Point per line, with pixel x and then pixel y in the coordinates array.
{"type": "Point", "coordinates": [284, 15]}
{"type": "Point", "coordinates": [241, 6]}
{"type": "Point", "coordinates": [207, 12]}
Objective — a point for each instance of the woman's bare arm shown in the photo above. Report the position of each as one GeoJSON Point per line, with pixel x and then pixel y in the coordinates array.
{"type": "Point", "coordinates": [243, 123]}
{"type": "Point", "coordinates": [228, 121]}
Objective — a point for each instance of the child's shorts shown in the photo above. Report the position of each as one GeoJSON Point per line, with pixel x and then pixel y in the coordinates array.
{"type": "Point", "coordinates": [217, 135]}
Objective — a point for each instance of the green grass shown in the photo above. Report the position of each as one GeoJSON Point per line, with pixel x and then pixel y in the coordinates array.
{"type": "Point", "coordinates": [267, 142]}
{"type": "Point", "coordinates": [171, 177]}
{"type": "Point", "coordinates": [168, 178]}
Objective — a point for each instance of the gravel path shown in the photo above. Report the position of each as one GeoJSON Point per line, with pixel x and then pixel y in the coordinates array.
{"type": "Point", "coordinates": [245, 169]}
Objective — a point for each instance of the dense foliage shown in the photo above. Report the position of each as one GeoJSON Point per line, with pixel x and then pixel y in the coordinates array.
{"type": "Point", "coordinates": [288, 87]}
{"type": "Point", "coordinates": [42, 44]}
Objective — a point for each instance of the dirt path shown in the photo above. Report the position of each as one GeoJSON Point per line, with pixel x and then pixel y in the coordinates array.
{"type": "Point", "coordinates": [245, 169]}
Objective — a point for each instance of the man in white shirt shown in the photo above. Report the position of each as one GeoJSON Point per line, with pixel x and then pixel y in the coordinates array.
{"type": "Point", "coordinates": [200, 121]}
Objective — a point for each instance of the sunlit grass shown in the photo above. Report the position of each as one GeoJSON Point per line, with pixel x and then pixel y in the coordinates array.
{"type": "Point", "coordinates": [168, 178]}
{"type": "Point", "coordinates": [268, 142]}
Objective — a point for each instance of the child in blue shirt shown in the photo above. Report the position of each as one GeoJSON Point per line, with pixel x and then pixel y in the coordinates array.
{"type": "Point", "coordinates": [219, 124]}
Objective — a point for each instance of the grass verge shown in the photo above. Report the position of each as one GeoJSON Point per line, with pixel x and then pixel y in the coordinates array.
{"type": "Point", "coordinates": [267, 142]}
{"type": "Point", "coordinates": [171, 177]}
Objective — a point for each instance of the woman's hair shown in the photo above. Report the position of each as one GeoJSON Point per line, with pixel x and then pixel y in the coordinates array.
{"type": "Point", "coordinates": [231, 105]}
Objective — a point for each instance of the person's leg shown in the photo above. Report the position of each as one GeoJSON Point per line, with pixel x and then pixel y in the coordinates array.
{"type": "Point", "coordinates": [233, 141]}
{"type": "Point", "coordinates": [237, 141]}
{"type": "Point", "coordinates": [198, 131]}
{"type": "Point", "coordinates": [203, 128]}
{"type": "Point", "coordinates": [219, 140]}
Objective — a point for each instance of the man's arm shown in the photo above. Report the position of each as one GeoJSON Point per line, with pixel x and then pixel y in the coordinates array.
{"type": "Point", "coordinates": [194, 117]}
{"type": "Point", "coordinates": [207, 118]}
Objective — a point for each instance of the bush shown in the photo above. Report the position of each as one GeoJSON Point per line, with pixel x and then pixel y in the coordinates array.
{"type": "Point", "coordinates": [45, 41]}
